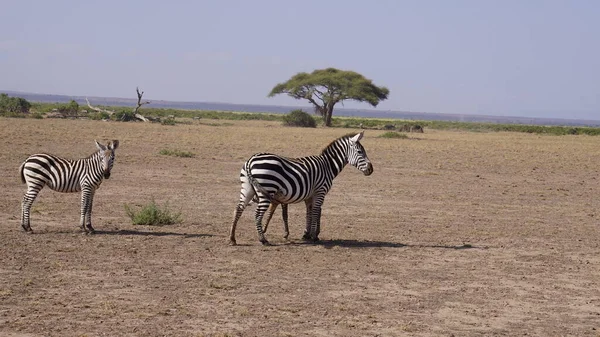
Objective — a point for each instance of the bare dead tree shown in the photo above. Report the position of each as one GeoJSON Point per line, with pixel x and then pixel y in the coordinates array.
{"type": "Point", "coordinates": [139, 105]}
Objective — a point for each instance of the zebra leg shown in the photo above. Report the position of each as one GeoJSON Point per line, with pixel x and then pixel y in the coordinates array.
{"type": "Point", "coordinates": [308, 203]}
{"type": "Point", "coordinates": [315, 223]}
{"type": "Point", "coordinates": [269, 215]}
{"type": "Point", "coordinates": [28, 200]}
{"type": "Point", "coordinates": [284, 214]}
{"type": "Point", "coordinates": [263, 205]}
{"type": "Point", "coordinates": [246, 194]}
{"type": "Point", "coordinates": [86, 195]}
{"type": "Point", "coordinates": [88, 215]}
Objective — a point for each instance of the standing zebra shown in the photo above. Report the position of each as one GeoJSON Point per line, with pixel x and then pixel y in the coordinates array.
{"type": "Point", "coordinates": [64, 175]}
{"type": "Point", "coordinates": [269, 178]}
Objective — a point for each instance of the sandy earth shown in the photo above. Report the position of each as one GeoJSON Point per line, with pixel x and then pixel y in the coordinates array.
{"type": "Point", "coordinates": [454, 234]}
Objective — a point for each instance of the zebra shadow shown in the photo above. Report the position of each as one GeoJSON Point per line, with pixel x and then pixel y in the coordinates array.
{"type": "Point", "coordinates": [126, 232]}
{"type": "Point", "coordinates": [379, 244]}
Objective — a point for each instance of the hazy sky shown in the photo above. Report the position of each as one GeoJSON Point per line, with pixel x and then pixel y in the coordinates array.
{"type": "Point", "coordinates": [497, 57]}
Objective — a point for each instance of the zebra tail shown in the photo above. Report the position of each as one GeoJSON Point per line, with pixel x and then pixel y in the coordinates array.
{"type": "Point", "coordinates": [22, 172]}
{"type": "Point", "coordinates": [256, 185]}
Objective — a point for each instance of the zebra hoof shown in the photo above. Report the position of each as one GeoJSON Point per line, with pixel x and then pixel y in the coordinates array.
{"type": "Point", "coordinates": [265, 243]}
{"type": "Point", "coordinates": [306, 237]}
{"type": "Point", "coordinates": [232, 242]}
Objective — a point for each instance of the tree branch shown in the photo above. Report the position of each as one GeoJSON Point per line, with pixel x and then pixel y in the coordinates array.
{"type": "Point", "coordinates": [98, 109]}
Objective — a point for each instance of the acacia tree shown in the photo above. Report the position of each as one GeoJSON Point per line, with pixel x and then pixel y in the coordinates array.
{"type": "Point", "coordinates": [324, 88]}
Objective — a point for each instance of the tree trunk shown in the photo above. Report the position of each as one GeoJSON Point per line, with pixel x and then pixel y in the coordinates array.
{"type": "Point", "coordinates": [327, 114]}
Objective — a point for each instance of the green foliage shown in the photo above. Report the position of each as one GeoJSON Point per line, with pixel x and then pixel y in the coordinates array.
{"type": "Point", "coordinates": [71, 108]}
{"type": "Point", "coordinates": [13, 105]}
{"type": "Point", "coordinates": [324, 88]}
{"type": "Point", "coordinates": [99, 115]}
{"type": "Point", "coordinates": [176, 153]}
{"type": "Point", "coordinates": [375, 123]}
{"type": "Point", "coordinates": [168, 121]}
{"type": "Point", "coordinates": [351, 122]}
{"type": "Point", "coordinates": [393, 134]}
{"type": "Point", "coordinates": [153, 215]}
{"type": "Point", "coordinates": [299, 118]}
{"type": "Point", "coordinates": [124, 115]}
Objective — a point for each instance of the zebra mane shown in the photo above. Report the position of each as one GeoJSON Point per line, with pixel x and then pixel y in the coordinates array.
{"type": "Point", "coordinates": [93, 154]}
{"type": "Point", "coordinates": [348, 135]}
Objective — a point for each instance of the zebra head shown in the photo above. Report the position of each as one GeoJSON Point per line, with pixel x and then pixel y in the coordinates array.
{"type": "Point", "coordinates": [107, 156]}
{"type": "Point", "coordinates": [357, 156]}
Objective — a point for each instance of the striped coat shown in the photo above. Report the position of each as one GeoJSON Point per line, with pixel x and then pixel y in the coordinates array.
{"type": "Point", "coordinates": [269, 178]}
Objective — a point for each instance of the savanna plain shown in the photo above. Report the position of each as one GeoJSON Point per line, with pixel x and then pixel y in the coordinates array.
{"type": "Point", "coordinates": [454, 234]}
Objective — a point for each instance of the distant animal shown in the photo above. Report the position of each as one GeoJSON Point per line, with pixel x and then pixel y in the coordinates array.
{"type": "Point", "coordinates": [269, 178]}
{"type": "Point", "coordinates": [65, 175]}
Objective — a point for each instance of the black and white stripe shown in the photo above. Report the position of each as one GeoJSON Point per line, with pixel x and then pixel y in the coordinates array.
{"type": "Point", "coordinates": [64, 175]}
{"type": "Point", "coordinates": [268, 178]}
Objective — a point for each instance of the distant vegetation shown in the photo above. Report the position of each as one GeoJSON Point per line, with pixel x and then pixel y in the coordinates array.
{"type": "Point", "coordinates": [324, 88]}
{"type": "Point", "coordinates": [13, 106]}
{"type": "Point", "coordinates": [39, 109]}
{"type": "Point", "coordinates": [299, 118]}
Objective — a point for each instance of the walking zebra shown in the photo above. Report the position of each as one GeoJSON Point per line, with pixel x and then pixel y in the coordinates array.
{"type": "Point", "coordinates": [64, 175]}
{"type": "Point", "coordinates": [268, 178]}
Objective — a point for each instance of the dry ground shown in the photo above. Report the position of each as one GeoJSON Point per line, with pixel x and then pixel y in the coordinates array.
{"type": "Point", "coordinates": [455, 234]}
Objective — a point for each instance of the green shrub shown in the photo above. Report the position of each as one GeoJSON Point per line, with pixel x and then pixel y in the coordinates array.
{"type": "Point", "coordinates": [153, 215]}
{"type": "Point", "coordinates": [124, 116]}
{"type": "Point", "coordinates": [393, 134]}
{"type": "Point", "coordinates": [13, 104]}
{"type": "Point", "coordinates": [99, 115]}
{"type": "Point", "coordinates": [176, 153]}
{"type": "Point", "coordinates": [299, 118]}
{"type": "Point", "coordinates": [168, 121]}
{"type": "Point", "coordinates": [71, 108]}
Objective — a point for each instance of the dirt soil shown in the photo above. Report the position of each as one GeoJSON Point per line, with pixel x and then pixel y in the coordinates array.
{"type": "Point", "coordinates": [454, 234]}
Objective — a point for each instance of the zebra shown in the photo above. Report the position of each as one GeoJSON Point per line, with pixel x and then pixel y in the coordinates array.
{"type": "Point", "coordinates": [64, 175]}
{"type": "Point", "coordinates": [272, 179]}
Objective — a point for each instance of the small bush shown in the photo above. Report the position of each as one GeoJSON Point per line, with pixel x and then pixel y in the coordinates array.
{"type": "Point", "coordinates": [393, 134]}
{"type": "Point", "coordinates": [176, 153]}
{"type": "Point", "coordinates": [124, 116]}
{"type": "Point", "coordinates": [168, 121]}
{"type": "Point", "coordinates": [299, 118]}
{"type": "Point", "coordinates": [153, 215]}
{"type": "Point", "coordinates": [99, 115]}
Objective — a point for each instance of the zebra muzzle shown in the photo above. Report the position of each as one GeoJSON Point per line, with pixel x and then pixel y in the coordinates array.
{"type": "Point", "coordinates": [106, 175]}
{"type": "Point", "coordinates": [369, 170]}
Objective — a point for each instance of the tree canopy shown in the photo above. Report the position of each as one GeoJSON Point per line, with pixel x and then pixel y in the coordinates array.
{"type": "Point", "coordinates": [324, 88]}
{"type": "Point", "coordinates": [13, 104]}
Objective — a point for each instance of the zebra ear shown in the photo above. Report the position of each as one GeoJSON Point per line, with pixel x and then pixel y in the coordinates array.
{"type": "Point", "coordinates": [357, 137]}
{"type": "Point", "coordinates": [113, 145]}
{"type": "Point", "coordinates": [100, 146]}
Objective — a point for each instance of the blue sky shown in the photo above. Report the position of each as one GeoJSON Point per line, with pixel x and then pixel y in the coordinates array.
{"type": "Point", "coordinates": [534, 58]}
